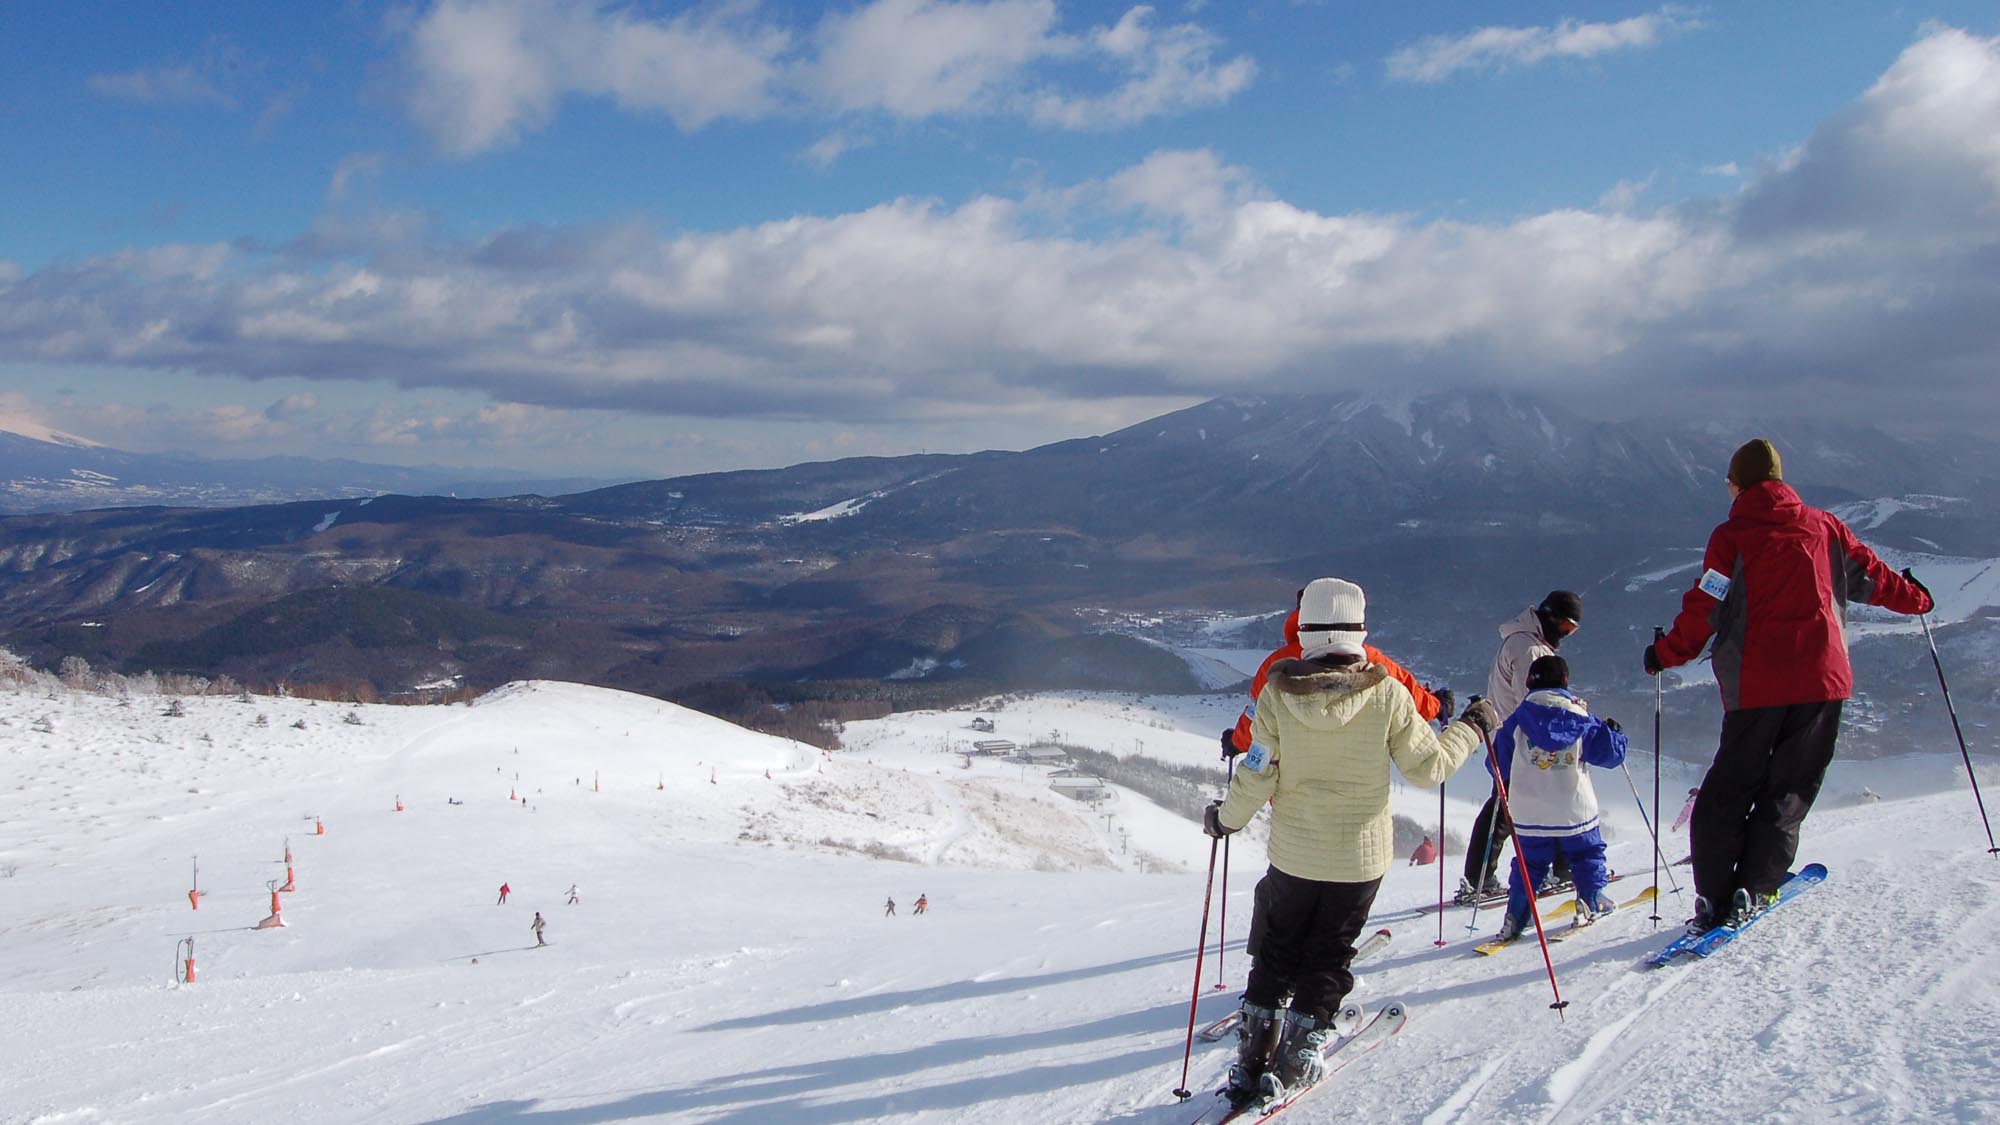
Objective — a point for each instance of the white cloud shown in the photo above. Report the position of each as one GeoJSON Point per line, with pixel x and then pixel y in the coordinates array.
{"type": "Point", "coordinates": [184, 84]}
{"type": "Point", "coordinates": [351, 171]}
{"type": "Point", "coordinates": [1164, 71]}
{"type": "Point", "coordinates": [1918, 153]}
{"type": "Point", "coordinates": [1624, 195]}
{"type": "Point", "coordinates": [1874, 248]}
{"type": "Point", "coordinates": [1190, 185]}
{"type": "Point", "coordinates": [1497, 48]}
{"type": "Point", "coordinates": [826, 151]}
{"type": "Point", "coordinates": [920, 58]}
{"type": "Point", "coordinates": [482, 73]}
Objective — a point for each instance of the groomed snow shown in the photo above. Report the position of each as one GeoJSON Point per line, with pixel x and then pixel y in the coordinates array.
{"type": "Point", "coordinates": [730, 962]}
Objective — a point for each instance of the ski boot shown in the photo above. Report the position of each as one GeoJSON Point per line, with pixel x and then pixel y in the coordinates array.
{"type": "Point", "coordinates": [1744, 906]}
{"type": "Point", "coordinates": [1705, 917]}
{"type": "Point", "coordinates": [1467, 893]}
{"type": "Point", "coordinates": [1256, 1035]}
{"type": "Point", "coordinates": [1511, 927]}
{"type": "Point", "coordinates": [1299, 1062]}
{"type": "Point", "coordinates": [1586, 913]}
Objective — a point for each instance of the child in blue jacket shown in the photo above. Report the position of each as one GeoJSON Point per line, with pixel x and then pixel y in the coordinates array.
{"type": "Point", "coordinates": [1542, 749]}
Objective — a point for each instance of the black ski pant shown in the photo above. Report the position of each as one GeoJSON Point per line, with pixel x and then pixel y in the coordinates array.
{"type": "Point", "coordinates": [1260, 913]}
{"type": "Point", "coordinates": [1306, 942]}
{"type": "Point", "coordinates": [1490, 831]}
{"type": "Point", "coordinates": [1766, 774]}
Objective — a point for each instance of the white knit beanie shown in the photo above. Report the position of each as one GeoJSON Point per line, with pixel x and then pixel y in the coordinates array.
{"type": "Point", "coordinates": [1333, 618]}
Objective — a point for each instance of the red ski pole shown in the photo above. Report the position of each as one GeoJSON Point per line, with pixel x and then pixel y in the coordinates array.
{"type": "Point", "coordinates": [1521, 865]}
{"type": "Point", "coordinates": [1201, 947]}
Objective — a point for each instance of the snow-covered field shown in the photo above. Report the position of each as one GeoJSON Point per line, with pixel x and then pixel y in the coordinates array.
{"type": "Point", "coordinates": [730, 961]}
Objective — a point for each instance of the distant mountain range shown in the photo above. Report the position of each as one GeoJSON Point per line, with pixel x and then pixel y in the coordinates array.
{"type": "Point", "coordinates": [46, 471]}
{"type": "Point", "coordinates": [1030, 569]}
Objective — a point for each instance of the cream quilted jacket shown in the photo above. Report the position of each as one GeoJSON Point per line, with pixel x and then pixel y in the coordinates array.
{"type": "Point", "coordinates": [1330, 734]}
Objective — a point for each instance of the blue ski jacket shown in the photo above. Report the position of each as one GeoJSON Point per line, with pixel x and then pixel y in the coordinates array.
{"type": "Point", "coordinates": [1542, 749]}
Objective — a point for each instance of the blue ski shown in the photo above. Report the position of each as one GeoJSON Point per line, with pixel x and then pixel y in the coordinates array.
{"type": "Point", "coordinates": [1703, 945]}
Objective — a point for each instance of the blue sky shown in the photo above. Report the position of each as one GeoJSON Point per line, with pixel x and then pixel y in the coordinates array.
{"type": "Point", "coordinates": [661, 238]}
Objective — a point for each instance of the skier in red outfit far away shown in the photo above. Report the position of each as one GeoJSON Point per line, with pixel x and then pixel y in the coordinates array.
{"type": "Point", "coordinates": [923, 904]}
{"type": "Point", "coordinates": [1425, 855]}
{"type": "Point", "coordinates": [504, 888]}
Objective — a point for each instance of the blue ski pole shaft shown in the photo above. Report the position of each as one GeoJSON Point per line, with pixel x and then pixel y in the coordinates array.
{"type": "Point", "coordinates": [1659, 858]}
{"type": "Point", "coordinates": [1970, 773]}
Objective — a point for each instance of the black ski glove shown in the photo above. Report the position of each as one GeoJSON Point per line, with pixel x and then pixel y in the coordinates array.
{"type": "Point", "coordinates": [1211, 821]}
{"type": "Point", "coordinates": [1482, 716]}
{"type": "Point", "coordinates": [1912, 580]}
{"type": "Point", "coordinates": [1446, 704]}
{"type": "Point", "coordinates": [1653, 666]}
{"type": "Point", "coordinates": [1612, 726]}
{"type": "Point", "coordinates": [1229, 749]}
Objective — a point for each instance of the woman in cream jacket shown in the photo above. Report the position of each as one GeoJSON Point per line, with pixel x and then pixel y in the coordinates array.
{"type": "Point", "coordinates": [1328, 726]}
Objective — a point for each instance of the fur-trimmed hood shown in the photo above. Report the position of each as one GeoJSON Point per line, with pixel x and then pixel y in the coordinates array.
{"type": "Point", "coordinates": [1324, 696]}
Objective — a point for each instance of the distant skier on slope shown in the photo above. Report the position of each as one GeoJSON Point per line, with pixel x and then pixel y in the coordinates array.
{"type": "Point", "coordinates": [1687, 810]}
{"type": "Point", "coordinates": [923, 904]}
{"type": "Point", "coordinates": [504, 889]}
{"type": "Point", "coordinates": [1542, 749]}
{"type": "Point", "coordinates": [1776, 580]}
{"type": "Point", "coordinates": [1425, 854]}
{"type": "Point", "coordinates": [1327, 726]}
{"type": "Point", "coordinates": [538, 926]}
{"type": "Point", "coordinates": [892, 909]}
{"type": "Point", "coordinates": [573, 896]}
{"type": "Point", "coordinates": [1536, 632]}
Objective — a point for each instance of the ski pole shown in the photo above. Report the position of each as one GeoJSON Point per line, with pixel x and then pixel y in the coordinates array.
{"type": "Point", "coordinates": [1440, 861]}
{"type": "Point", "coordinates": [1659, 859]}
{"type": "Point", "coordinates": [1527, 884]}
{"type": "Point", "coordinates": [1222, 926]}
{"type": "Point", "coordinates": [1970, 773]}
{"type": "Point", "coordinates": [1187, 1056]}
{"type": "Point", "coordinates": [1486, 858]}
{"type": "Point", "coordinates": [1659, 635]}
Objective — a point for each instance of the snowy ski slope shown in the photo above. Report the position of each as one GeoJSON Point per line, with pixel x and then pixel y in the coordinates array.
{"type": "Point", "coordinates": [730, 961]}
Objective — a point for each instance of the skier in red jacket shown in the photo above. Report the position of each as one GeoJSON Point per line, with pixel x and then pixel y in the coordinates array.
{"type": "Point", "coordinates": [1425, 855]}
{"type": "Point", "coordinates": [1777, 578]}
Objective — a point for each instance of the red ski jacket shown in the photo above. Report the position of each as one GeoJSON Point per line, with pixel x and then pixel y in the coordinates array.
{"type": "Point", "coordinates": [1427, 704]}
{"type": "Point", "coordinates": [1776, 581]}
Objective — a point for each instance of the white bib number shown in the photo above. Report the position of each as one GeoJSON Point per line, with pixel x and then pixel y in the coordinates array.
{"type": "Point", "coordinates": [1714, 585]}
